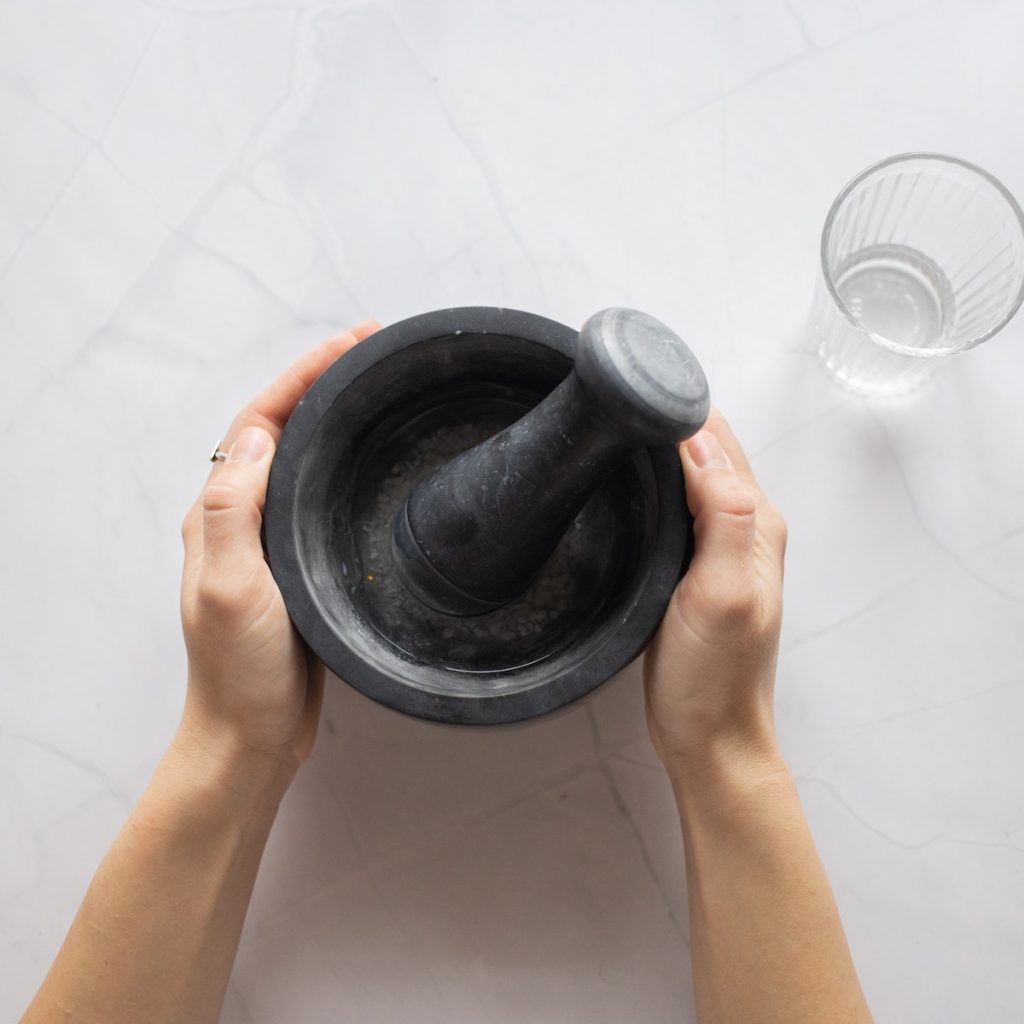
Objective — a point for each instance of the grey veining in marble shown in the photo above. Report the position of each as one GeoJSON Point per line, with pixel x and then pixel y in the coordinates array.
{"type": "Point", "coordinates": [194, 191]}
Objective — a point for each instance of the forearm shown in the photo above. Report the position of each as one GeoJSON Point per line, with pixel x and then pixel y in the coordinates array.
{"type": "Point", "coordinates": [157, 932]}
{"type": "Point", "coordinates": [767, 942]}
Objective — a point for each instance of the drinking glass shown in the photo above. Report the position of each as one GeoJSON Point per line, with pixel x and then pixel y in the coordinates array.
{"type": "Point", "coordinates": [922, 257]}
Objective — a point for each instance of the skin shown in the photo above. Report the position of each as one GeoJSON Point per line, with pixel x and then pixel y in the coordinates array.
{"type": "Point", "coordinates": [767, 944]}
{"type": "Point", "coordinates": [157, 932]}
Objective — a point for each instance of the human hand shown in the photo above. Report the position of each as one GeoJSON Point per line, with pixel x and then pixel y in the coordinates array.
{"type": "Point", "coordinates": [254, 689]}
{"type": "Point", "coordinates": [709, 672]}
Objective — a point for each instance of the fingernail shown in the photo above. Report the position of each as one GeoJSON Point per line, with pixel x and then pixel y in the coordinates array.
{"type": "Point", "coordinates": [707, 452]}
{"type": "Point", "coordinates": [250, 445]}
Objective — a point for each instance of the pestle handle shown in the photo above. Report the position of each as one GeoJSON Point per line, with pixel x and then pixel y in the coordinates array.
{"type": "Point", "coordinates": [473, 534]}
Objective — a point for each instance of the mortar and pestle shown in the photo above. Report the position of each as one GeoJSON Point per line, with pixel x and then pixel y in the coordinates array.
{"type": "Point", "coordinates": [477, 515]}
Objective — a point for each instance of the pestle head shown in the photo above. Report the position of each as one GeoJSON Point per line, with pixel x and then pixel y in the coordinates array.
{"type": "Point", "coordinates": [473, 535]}
{"type": "Point", "coordinates": [642, 376]}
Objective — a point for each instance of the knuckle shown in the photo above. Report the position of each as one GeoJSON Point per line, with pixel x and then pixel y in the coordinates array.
{"type": "Point", "coordinates": [221, 497]}
{"type": "Point", "coordinates": [215, 596]}
{"type": "Point", "coordinates": [188, 523]}
{"type": "Point", "coordinates": [775, 526]}
{"type": "Point", "coordinates": [190, 619]}
{"type": "Point", "coordinates": [735, 500]}
{"type": "Point", "coordinates": [739, 609]}
{"type": "Point", "coordinates": [733, 601]}
{"type": "Point", "coordinates": [773, 517]}
{"type": "Point", "coordinates": [224, 499]}
{"type": "Point", "coordinates": [782, 533]}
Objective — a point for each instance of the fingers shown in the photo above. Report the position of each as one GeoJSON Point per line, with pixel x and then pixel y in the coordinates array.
{"type": "Point", "coordinates": [315, 678]}
{"type": "Point", "coordinates": [277, 402]}
{"type": "Point", "coordinates": [365, 328]}
{"type": "Point", "coordinates": [717, 424]}
{"type": "Point", "coordinates": [192, 536]}
{"type": "Point", "coordinates": [270, 411]}
{"type": "Point", "coordinates": [735, 524]}
{"type": "Point", "coordinates": [724, 507]}
{"type": "Point", "coordinates": [271, 408]}
{"type": "Point", "coordinates": [232, 510]}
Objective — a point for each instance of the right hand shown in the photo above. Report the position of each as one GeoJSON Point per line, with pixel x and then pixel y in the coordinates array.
{"type": "Point", "coordinates": [709, 672]}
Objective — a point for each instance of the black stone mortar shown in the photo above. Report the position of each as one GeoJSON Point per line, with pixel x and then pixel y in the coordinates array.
{"type": "Point", "coordinates": [388, 412]}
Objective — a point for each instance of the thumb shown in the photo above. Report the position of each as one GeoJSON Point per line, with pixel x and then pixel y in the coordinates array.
{"type": "Point", "coordinates": [724, 510]}
{"type": "Point", "coordinates": [233, 506]}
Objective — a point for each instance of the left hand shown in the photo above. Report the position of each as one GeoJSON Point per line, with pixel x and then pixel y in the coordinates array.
{"type": "Point", "coordinates": [253, 686]}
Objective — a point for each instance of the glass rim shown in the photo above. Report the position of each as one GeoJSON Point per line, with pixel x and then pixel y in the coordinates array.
{"type": "Point", "coordinates": [880, 339]}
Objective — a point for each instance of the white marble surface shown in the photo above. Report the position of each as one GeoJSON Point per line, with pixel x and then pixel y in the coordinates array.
{"type": "Point", "coordinates": [193, 191]}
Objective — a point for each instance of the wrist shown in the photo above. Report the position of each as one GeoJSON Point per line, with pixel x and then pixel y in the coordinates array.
{"type": "Point", "coordinates": [217, 761]}
{"type": "Point", "coordinates": [726, 774]}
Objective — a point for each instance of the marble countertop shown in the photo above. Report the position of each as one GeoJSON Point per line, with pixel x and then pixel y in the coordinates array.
{"type": "Point", "coordinates": [192, 192]}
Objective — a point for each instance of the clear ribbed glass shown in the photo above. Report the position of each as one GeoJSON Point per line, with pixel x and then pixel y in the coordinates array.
{"type": "Point", "coordinates": [922, 257]}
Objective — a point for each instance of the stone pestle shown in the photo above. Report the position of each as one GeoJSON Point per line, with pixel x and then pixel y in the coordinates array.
{"type": "Point", "coordinates": [473, 534]}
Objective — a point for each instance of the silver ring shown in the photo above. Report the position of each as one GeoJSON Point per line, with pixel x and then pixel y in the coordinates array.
{"type": "Point", "coordinates": [217, 455]}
